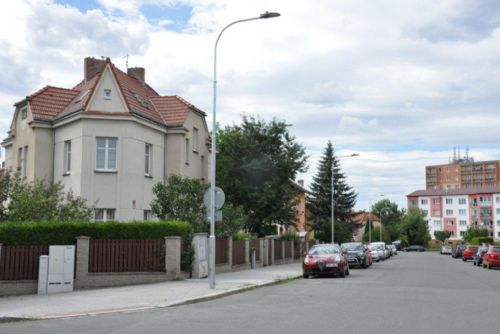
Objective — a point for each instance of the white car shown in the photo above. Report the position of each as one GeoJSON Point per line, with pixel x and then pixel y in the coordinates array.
{"type": "Point", "coordinates": [377, 253]}
{"type": "Point", "coordinates": [394, 250]}
{"type": "Point", "coordinates": [380, 247]}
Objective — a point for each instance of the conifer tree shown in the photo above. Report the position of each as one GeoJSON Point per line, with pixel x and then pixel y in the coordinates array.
{"type": "Point", "coordinates": [319, 200]}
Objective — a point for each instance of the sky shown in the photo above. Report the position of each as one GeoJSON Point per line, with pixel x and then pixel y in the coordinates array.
{"type": "Point", "coordinates": [401, 83]}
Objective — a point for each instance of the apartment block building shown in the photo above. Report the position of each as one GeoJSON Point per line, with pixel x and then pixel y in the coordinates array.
{"type": "Point", "coordinates": [108, 139]}
{"type": "Point", "coordinates": [463, 173]}
{"type": "Point", "coordinates": [455, 210]}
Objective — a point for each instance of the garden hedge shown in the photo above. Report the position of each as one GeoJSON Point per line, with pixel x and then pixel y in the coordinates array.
{"type": "Point", "coordinates": [481, 240]}
{"type": "Point", "coordinates": [64, 233]}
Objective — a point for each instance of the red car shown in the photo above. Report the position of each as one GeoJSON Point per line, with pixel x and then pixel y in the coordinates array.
{"type": "Point", "coordinates": [492, 257]}
{"type": "Point", "coordinates": [469, 253]}
{"type": "Point", "coordinates": [325, 259]}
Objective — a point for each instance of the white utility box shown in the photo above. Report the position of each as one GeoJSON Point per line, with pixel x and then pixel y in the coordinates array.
{"type": "Point", "coordinates": [61, 269]}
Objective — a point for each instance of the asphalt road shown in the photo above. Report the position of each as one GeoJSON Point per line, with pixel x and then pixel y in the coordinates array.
{"type": "Point", "coordinates": [410, 293]}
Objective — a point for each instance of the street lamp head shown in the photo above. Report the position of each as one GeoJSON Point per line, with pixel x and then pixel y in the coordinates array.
{"type": "Point", "coordinates": [268, 15]}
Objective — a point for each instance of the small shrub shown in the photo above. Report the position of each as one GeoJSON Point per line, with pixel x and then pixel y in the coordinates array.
{"type": "Point", "coordinates": [244, 236]}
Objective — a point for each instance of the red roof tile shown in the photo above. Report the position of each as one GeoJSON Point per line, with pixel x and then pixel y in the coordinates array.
{"type": "Point", "coordinates": [49, 101]}
{"type": "Point", "coordinates": [173, 109]}
{"type": "Point", "coordinates": [52, 102]}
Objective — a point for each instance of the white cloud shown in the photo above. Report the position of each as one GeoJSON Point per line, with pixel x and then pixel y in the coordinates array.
{"type": "Point", "coordinates": [399, 82]}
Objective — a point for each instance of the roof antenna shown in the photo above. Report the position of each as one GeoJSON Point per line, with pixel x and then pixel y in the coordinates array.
{"type": "Point", "coordinates": [126, 61]}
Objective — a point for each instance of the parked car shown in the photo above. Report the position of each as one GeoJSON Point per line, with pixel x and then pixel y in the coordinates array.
{"type": "Point", "coordinates": [414, 248]}
{"type": "Point", "coordinates": [445, 250]}
{"type": "Point", "coordinates": [492, 257]}
{"type": "Point", "coordinates": [478, 257]}
{"type": "Point", "coordinates": [356, 255]}
{"type": "Point", "coordinates": [394, 250]}
{"type": "Point", "coordinates": [468, 253]}
{"type": "Point", "coordinates": [368, 254]}
{"type": "Point", "coordinates": [397, 243]}
{"type": "Point", "coordinates": [380, 246]}
{"type": "Point", "coordinates": [458, 251]}
{"type": "Point", "coordinates": [388, 250]}
{"type": "Point", "coordinates": [375, 253]}
{"type": "Point", "coordinates": [325, 259]}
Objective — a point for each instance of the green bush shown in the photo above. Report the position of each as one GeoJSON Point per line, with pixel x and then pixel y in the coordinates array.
{"type": "Point", "coordinates": [64, 233]}
{"type": "Point", "coordinates": [244, 236]}
{"type": "Point", "coordinates": [481, 240]}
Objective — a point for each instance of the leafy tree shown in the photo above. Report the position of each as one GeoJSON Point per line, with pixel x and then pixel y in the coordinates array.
{"type": "Point", "coordinates": [255, 163]}
{"type": "Point", "coordinates": [234, 220]}
{"type": "Point", "coordinates": [376, 234]}
{"type": "Point", "coordinates": [181, 199]}
{"type": "Point", "coordinates": [414, 228]}
{"type": "Point", "coordinates": [390, 217]}
{"type": "Point", "coordinates": [442, 235]}
{"type": "Point", "coordinates": [39, 201]}
{"type": "Point", "coordinates": [474, 231]}
{"type": "Point", "coordinates": [320, 200]}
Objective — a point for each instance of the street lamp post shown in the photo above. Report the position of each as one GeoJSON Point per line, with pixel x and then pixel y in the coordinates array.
{"type": "Point", "coordinates": [211, 253]}
{"type": "Point", "coordinates": [384, 209]}
{"type": "Point", "coordinates": [333, 192]}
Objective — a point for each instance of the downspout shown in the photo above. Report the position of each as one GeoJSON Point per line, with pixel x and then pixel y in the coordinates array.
{"type": "Point", "coordinates": [165, 151]}
{"type": "Point", "coordinates": [53, 155]}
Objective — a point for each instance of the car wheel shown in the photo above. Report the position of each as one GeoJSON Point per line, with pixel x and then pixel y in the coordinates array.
{"type": "Point", "coordinates": [305, 276]}
{"type": "Point", "coordinates": [463, 259]}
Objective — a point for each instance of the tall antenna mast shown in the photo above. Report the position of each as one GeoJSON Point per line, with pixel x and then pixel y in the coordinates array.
{"type": "Point", "coordinates": [126, 60]}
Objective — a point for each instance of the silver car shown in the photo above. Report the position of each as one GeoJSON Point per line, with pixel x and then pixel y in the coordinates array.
{"type": "Point", "coordinates": [377, 253]}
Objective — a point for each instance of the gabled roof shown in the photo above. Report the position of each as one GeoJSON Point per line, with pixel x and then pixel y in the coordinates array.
{"type": "Point", "coordinates": [52, 103]}
{"type": "Point", "coordinates": [365, 216]}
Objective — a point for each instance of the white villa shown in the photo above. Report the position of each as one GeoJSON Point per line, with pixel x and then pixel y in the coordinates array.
{"type": "Point", "coordinates": [109, 139]}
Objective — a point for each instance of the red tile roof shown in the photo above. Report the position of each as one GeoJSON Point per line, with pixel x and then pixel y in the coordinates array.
{"type": "Point", "coordinates": [51, 103]}
{"type": "Point", "coordinates": [173, 109]}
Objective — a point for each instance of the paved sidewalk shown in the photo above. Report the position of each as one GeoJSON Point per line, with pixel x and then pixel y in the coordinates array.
{"type": "Point", "coordinates": [140, 297]}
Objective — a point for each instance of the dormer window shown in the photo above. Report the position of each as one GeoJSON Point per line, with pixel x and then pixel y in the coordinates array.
{"type": "Point", "coordinates": [24, 113]}
{"type": "Point", "coordinates": [107, 94]}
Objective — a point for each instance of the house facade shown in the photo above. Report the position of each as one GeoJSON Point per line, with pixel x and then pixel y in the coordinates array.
{"type": "Point", "coordinates": [362, 220]}
{"type": "Point", "coordinates": [109, 139]}
{"type": "Point", "coordinates": [456, 210]}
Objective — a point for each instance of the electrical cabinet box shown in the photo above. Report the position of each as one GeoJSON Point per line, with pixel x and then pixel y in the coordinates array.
{"type": "Point", "coordinates": [61, 269]}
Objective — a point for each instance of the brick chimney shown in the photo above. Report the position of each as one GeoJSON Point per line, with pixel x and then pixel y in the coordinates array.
{"type": "Point", "coordinates": [137, 72]}
{"type": "Point", "coordinates": [92, 66]}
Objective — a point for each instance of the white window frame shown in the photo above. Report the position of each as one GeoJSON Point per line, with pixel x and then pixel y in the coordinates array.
{"type": "Point", "coordinates": [424, 201]}
{"type": "Point", "coordinates": [148, 159]}
{"type": "Point", "coordinates": [462, 212]}
{"type": "Point", "coordinates": [188, 151]}
{"type": "Point", "coordinates": [67, 157]}
{"type": "Point", "coordinates": [24, 113]}
{"type": "Point", "coordinates": [449, 212]}
{"type": "Point", "coordinates": [449, 201]}
{"type": "Point", "coordinates": [195, 139]}
{"type": "Point", "coordinates": [107, 150]}
{"type": "Point", "coordinates": [462, 201]}
{"type": "Point", "coordinates": [107, 215]}
{"type": "Point", "coordinates": [25, 160]}
{"type": "Point", "coordinates": [107, 93]}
